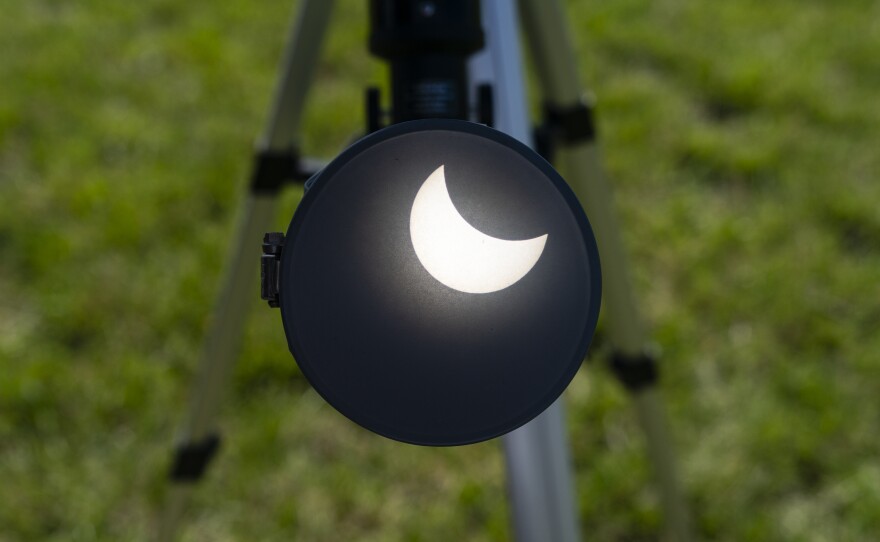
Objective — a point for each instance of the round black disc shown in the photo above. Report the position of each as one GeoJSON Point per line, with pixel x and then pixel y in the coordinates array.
{"type": "Point", "coordinates": [412, 334]}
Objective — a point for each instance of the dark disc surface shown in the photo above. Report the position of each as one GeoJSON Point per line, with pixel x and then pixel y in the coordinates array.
{"type": "Point", "coordinates": [396, 350]}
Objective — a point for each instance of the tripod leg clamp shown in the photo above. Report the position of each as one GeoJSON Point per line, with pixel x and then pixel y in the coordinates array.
{"type": "Point", "coordinates": [635, 372]}
{"type": "Point", "coordinates": [273, 168]}
{"type": "Point", "coordinates": [572, 123]}
{"type": "Point", "coordinates": [565, 124]}
{"type": "Point", "coordinates": [192, 458]}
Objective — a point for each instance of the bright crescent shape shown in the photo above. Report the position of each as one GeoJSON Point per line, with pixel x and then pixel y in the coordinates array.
{"type": "Point", "coordinates": [457, 254]}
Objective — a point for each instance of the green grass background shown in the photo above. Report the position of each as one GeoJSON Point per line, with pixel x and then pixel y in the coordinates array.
{"type": "Point", "coordinates": [743, 139]}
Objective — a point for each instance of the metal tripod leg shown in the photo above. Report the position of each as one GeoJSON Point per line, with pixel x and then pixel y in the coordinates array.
{"type": "Point", "coordinates": [549, 40]}
{"type": "Point", "coordinates": [275, 163]}
{"type": "Point", "coordinates": [539, 471]}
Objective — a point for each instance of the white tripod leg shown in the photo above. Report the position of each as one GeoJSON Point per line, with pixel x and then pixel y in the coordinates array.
{"type": "Point", "coordinates": [539, 470]}
{"type": "Point", "coordinates": [550, 43]}
{"type": "Point", "coordinates": [275, 162]}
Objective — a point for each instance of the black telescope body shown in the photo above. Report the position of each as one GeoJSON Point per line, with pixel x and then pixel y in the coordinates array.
{"type": "Point", "coordinates": [427, 44]}
{"type": "Point", "coordinates": [439, 283]}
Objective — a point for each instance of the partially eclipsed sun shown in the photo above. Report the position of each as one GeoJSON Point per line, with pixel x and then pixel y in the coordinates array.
{"type": "Point", "coordinates": [457, 254]}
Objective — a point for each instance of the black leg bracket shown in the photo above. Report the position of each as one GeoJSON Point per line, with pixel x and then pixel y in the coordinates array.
{"type": "Point", "coordinates": [565, 125]}
{"type": "Point", "coordinates": [192, 458]}
{"type": "Point", "coordinates": [273, 168]}
{"type": "Point", "coordinates": [635, 372]}
{"type": "Point", "coordinates": [572, 123]}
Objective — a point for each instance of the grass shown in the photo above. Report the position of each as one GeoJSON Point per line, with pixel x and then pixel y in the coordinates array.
{"type": "Point", "coordinates": [742, 137]}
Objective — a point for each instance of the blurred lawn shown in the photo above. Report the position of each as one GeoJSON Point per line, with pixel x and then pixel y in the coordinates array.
{"type": "Point", "coordinates": [743, 137]}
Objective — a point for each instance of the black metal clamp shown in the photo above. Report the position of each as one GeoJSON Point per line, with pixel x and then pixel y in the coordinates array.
{"type": "Point", "coordinates": [192, 458]}
{"type": "Point", "coordinates": [635, 372]}
{"type": "Point", "coordinates": [270, 268]}
{"type": "Point", "coordinates": [273, 168]}
{"type": "Point", "coordinates": [565, 124]}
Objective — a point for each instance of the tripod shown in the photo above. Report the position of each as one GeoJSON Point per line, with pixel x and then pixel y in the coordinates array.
{"type": "Point", "coordinates": [537, 457]}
